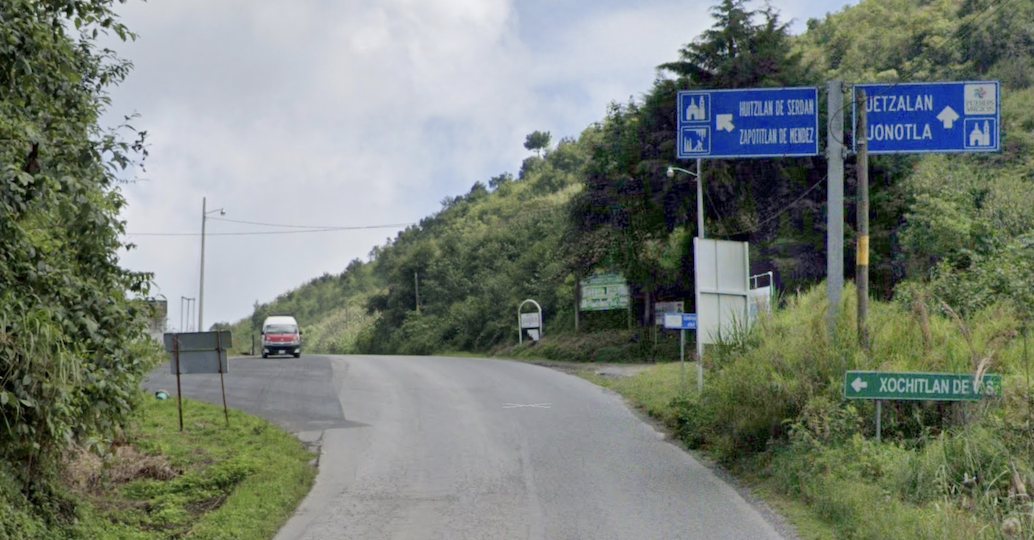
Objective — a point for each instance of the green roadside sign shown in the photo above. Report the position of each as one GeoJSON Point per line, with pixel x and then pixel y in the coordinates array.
{"type": "Point", "coordinates": [920, 386]}
{"type": "Point", "coordinates": [603, 292]}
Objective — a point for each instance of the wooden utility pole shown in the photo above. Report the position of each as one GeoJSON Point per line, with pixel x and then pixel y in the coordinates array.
{"type": "Point", "coordinates": [577, 304]}
{"type": "Point", "coordinates": [862, 268]}
{"type": "Point", "coordinates": [416, 287]}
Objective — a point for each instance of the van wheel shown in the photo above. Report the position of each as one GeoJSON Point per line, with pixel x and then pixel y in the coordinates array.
{"type": "Point", "coordinates": [265, 355]}
{"type": "Point", "coordinates": [297, 355]}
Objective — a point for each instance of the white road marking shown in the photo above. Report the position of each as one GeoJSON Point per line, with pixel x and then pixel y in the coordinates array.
{"type": "Point", "coordinates": [516, 405]}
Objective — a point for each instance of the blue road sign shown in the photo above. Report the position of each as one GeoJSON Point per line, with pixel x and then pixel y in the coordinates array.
{"type": "Point", "coordinates": [680, 321]}
{"type": "Point", "coordinates": [753, 123]}
{"type": "Point", "coordinates": [920, 118]}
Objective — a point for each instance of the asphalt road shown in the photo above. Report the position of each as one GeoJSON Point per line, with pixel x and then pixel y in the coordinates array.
{"type": "Point", "coordinates": [454, 449]}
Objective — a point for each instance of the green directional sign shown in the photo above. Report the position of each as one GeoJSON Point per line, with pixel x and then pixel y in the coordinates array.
{"type": "Point", "coordinates": [920, 386]}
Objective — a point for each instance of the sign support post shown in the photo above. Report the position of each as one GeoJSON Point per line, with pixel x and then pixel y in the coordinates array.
{"type": "Point", "coordinates": [222, 383]}
{"type": "Point", "coordinates": [179, 390]}
{"type": "Point", "coordinates": [835, 200]}
{"type": "Point", "coordinates": [682, 355]}
{"type": "Point", "coordinates": [700, 233]}
{"type": "Point", "coordinates": [879, 421]}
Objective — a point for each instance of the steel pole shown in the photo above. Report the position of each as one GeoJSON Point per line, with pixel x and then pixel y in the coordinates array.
{"type": "Point", "coordinates": [682, 354]}
{"type": "Point", "coordinates": [700, 234]}
{"type": "Point", "coordinates": [835, 200]}
{"type": "Point", "coordinates": [201, 294]}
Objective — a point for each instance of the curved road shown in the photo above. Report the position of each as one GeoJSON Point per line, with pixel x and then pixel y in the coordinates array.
{"type": "Point", "coordinates": [454, 449]}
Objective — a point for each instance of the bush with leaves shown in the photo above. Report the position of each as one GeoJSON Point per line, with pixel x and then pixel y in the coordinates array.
{"type": "Point", "coordinates": [70, 338]}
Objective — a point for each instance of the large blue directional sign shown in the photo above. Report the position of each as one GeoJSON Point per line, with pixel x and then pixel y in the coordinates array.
{"type": "Point", "coordinates": [946, 117]}
{"type": "Point", "coordinates": [754, 123]}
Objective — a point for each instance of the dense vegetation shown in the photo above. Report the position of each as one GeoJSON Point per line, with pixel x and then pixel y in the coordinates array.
{"type": "Point", "coordinates": [603, 202]}
{"type": "Point", "coordinates": [71, 338]}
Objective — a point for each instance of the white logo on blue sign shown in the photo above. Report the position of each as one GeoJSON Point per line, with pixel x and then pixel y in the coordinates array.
{"type": "Point", "coordinates": [697, 110]}
{"type": "Point", "coordinates": [696, 140]}
{"type": "Point", "coordinates": [980, 133]}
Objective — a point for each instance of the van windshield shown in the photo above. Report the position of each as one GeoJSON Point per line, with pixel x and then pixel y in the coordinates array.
{"type": "Point", "coordinates": [281, 329]}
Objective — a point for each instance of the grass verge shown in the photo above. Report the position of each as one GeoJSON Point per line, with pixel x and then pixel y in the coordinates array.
{"type": "Point", "coordinates": [208, 482]}
{"type": "Point", "coordinates": [773, 414]}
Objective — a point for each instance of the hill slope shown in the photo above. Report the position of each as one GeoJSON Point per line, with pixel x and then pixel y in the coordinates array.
{"type": "Point", "coordinates": [604, 202]}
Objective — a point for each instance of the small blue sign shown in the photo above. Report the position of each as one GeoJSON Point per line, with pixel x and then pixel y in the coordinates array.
{"type": "Point", "coordinates": [680, 321]}
{"type": "Point", "coordinates": [752, 123]}
{"type": "Point", "coordinates": [923, 118]}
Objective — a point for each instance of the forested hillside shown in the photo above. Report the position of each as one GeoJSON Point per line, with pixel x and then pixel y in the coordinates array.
{"type": "Point", "coordinates": [603, 201]}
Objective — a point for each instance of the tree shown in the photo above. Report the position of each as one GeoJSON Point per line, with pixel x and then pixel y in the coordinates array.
{"type": "Point", "coordinates": [497, 181]}
{"type": "Point", "coordinates": [71, 336]}
{"type": "Point", "coordinates": [737, 52]}
{"type": "Point", "coordinates": [537, 141]}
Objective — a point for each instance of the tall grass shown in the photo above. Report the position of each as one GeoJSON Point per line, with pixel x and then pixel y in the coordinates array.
{"type": "Point", "coordinates": [773, 404]}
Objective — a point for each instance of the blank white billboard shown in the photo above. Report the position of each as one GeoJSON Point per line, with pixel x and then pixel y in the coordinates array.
{"type": "Point", "coordinates": [722, 288]}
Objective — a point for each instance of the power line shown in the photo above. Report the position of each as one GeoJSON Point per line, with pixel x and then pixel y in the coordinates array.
{"type": "Point", "coordinates": [324, 227]}
{"type": "Point", "coordinates": [260, 233]}
{"type": "Point", "coordinates": [779, 213]}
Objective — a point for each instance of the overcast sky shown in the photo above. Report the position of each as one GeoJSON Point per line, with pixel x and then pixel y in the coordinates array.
{"type": "Point", "coordinates": [357, 113]}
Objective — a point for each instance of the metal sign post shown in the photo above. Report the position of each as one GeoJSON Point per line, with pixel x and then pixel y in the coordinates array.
{"type": "Point", "coordinates": [176, 366]}
{"type": "Point", "coordinates": [198, 352]}
{"type": "Point", "coordinates": [222, 383]}
{"type": "Point", "coordinates": [683, 322]}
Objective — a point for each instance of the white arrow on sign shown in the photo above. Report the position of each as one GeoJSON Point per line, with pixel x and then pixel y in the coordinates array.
{"type": "Point", "coordinates": [725, 122]}
{"type": "Point", "coordinates": [858, 384]}
{"type": "Point", "coordinates": [948, 116]}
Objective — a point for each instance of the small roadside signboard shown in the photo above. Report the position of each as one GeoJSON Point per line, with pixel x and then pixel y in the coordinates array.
{"type": "Point", "coordinates": [530, 320]}
{"type": "Point", "coordinates": [680, 321]}
{"type": "Point", "coordinates": [660, 308]}
{"type": "Point", "coordinates": [603, 292]}
{"type": "Point", "coordinates": [748, 123]}
{"type": "Point", "coordinates": [941, 117]}
{"type": "Point", "coordinates": [878, 385]}
{"type": "Point", "coordinates": [198, 352]}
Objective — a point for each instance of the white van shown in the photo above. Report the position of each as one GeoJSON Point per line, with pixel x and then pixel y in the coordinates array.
{"type": "Point", "coordinates": [281, 335]}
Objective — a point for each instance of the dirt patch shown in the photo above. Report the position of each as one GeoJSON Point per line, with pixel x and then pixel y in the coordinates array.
{"type": "Point", "coordinates": [90, 473]}
{"type": "Point", "coordinates": [606, 370]}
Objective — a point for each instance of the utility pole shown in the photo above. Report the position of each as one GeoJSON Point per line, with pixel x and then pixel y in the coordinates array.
{"type": "Point", "coordinates": [577, 303]}
{"type": "Point", "coordinates": [700, 233]}
{"type": "Point", "coordinates": [835, 200]}
{"type": "Point", "coordinates": [201, 294]}
{"type": "Point", "coordinates": [862, 268]}
{"type": "Point", "coordinates": [416, 287]}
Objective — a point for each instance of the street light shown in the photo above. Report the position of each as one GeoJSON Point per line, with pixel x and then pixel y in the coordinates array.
{"type": "Point", "coordinates": [201, 294]}
{"type": "Point", "coordinates": [700, 195]}
{"type": "Point", "coordinates": [700, 235]}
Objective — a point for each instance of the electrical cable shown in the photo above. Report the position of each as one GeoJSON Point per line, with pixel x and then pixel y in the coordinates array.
{"type": "Point", "coordinates": [779, 213]}
{"type": "Point", "coordinates": [261, 233]}
{"type": "Point", "coordinates": [325, 227]}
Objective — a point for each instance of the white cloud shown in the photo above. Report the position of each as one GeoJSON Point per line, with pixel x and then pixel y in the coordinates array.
{"type": "Point", "coordinates": [354, 113]}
